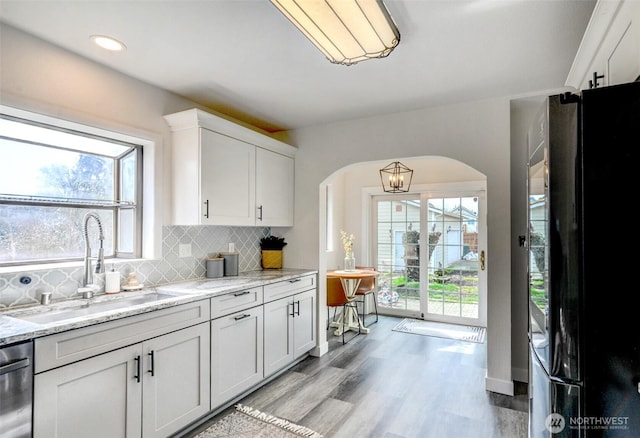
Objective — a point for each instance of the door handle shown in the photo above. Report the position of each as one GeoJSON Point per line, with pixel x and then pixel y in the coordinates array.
{"type": "Point", "coordinates": [482, 260]}
{"type": "Point", "coordinates": [260, 215]}
{"type": "Point", "coordinates": [206, 212]}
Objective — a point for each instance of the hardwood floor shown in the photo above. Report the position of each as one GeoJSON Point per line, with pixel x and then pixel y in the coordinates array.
{"type": "Point", "coordinates": [395, 385]}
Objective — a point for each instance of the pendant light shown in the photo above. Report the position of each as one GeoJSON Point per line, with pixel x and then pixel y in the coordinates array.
{"type": "Point", "coordinates": [396, 178]}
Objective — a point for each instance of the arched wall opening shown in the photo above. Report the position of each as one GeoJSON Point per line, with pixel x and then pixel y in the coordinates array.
{"type": "Point", "coordinates": [343, 204]}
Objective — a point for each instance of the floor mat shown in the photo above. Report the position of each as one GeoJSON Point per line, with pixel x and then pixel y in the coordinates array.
{"type": "Point", "coordinates": [246, 422]}
{"type": "Point", "coordinates": [442, 330]}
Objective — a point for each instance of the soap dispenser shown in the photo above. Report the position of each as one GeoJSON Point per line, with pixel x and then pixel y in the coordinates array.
{"type": "Point", "coordinates": [112, 281]}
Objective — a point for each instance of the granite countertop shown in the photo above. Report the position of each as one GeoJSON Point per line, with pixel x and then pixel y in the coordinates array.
{"type": "Point", "coordinates": [15, 325]}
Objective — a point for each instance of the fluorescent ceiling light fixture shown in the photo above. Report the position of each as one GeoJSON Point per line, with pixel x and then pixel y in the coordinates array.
{"type": "Point", "coordinates": [108, 43]}
{"type": "Point", "coordinates": [346, 31]}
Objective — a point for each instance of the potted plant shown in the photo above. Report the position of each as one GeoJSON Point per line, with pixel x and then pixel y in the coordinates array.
{"type": "Point", "coordinates": [271, 248]}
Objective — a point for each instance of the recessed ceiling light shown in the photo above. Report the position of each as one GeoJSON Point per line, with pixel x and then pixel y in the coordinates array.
{"type": "Point", "coordinates": [108, 43]}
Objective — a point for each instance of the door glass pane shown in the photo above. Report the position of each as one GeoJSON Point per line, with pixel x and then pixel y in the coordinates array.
{"type": "Point", "coordinates": [398, 254]}
{"type": "Point", "coordinates": [453, 263]}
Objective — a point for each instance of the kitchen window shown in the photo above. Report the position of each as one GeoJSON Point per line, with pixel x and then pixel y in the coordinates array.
{"type": "Point", "coordinates": [51, 176]}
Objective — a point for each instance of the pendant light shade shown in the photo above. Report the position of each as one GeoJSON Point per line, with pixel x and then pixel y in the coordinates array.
{"type": "Point", "coordinates": [346, 31]}
{"type": "Point", "coordinates": [396, 178]}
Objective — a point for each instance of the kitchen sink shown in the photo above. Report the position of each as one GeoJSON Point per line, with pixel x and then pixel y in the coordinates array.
{"type": "Point", "coordinates": [63, 312]}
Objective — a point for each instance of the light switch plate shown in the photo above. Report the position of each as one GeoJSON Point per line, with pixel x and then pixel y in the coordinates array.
{"type": "Point", "coordinates": [184, 250]}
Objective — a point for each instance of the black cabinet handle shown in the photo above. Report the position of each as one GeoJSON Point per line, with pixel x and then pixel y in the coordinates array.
{"type": "Point", "coordinates": [298, 303]}
{"type": "Point", "coordinates": [244, 292]}
{"type": "Point", "coordinates": [137, 375]}
{"type": "Point", "coordinates": [238, 318]}
{"type": "Point", "coordinates": [260, 215]}
{"type": "Point", "coordinates": [206, 210]}
{"type": "Point", "coordinates": [295, 280]}
{"type": "Point", "coordinates": [152, 369]}
{"type": "Point", "coordinates": [293, 309]}
{"type": "Point", "coordinates": [593, 83]}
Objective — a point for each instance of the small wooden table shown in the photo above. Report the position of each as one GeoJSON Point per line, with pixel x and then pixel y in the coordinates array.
{"type": "Point", "coordinates": [350, 281]}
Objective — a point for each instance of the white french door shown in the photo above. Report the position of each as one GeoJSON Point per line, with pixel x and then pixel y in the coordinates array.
{"type": "Point", "coordinates": [430, 249]}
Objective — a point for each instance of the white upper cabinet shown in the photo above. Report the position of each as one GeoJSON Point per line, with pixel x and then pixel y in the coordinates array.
{"type": "Point", "coordinates": [226, 174]}
{"type": "Point", "coordinates": [274, 189]}
{"type": "Point", "coordinates": [227, 180]}
{"type": "Point", "coordinates": [609, 53]}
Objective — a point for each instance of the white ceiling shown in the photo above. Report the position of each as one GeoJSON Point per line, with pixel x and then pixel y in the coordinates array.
{"type": "Point", "coordinates": [244, 59]}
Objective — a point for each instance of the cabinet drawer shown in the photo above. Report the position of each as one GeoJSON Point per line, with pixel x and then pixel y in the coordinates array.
{"type": "Point", "coordinates": [235, 301]}
{"type": "Point", "coordinates": [67, 347]}
{"type": "Point", "coordinates": [289, 287]}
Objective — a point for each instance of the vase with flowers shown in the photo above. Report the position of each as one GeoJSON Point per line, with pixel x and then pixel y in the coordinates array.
{"type": "Point", "coordinates": [347, 244]}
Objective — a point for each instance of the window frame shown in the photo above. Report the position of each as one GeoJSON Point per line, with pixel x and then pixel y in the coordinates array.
{"type": "Point", "coordinates": [135, 146]}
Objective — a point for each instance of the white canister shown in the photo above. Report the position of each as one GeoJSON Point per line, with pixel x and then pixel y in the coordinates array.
{"type": "Point", "coordinates": [112, 281]}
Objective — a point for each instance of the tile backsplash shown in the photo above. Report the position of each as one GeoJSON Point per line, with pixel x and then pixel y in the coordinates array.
{"type": "Point", "coordinates": [63, 283]}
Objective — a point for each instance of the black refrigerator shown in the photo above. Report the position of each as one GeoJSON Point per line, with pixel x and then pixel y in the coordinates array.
{"type": "Point", "coordinates": [584, 264]}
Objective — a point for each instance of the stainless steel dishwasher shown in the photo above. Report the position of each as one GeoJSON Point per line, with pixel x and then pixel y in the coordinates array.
{"type": "Point", "coordinates": [16, 390]}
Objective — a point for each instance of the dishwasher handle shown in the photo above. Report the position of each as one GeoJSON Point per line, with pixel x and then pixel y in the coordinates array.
{"type": "Point", "coordinates": [15, 365]}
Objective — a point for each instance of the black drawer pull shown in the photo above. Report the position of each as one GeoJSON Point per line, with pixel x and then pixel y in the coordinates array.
{"type": "Point", "coordinates": [238, 318]}
{"type": "Point", "coordinates": [244, 292]}
{"type": "Point", "coordinates": [295, 280]}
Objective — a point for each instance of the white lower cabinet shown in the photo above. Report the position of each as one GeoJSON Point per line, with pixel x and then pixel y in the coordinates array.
{"type": "Point", "coordinates": [176, 382]}
{"type": "Point", "coordinates": [96, 397]}
{"type": "Point", "coordinates": [289, 329]}
{"type": "Point", "coordinates": [154, 374]}
{"type": "Point", "coordinates": [236, 354]}
{"type": "Point", "coordinates": [149, 389]}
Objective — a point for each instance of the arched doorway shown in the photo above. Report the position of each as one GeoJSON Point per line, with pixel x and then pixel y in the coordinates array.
{"type": "Point", "coordinates": [446, 197]}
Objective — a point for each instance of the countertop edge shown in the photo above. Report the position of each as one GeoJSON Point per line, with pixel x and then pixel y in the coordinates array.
{"type": "Point", "coordinates": [14, 330]}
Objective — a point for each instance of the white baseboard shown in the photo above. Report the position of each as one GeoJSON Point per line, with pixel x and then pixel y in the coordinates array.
{"type": "Point", "coordinates": [500, 386]}
{"type": "Point", "coordinates": [320, 350]}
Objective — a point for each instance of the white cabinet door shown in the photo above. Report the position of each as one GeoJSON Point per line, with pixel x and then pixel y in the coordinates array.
{"type": "Point", "coordinates": [97, 397]}
{"type": "Point", "coordinates": [278, 334]}
{"type": "Point", "coordinates": [176, 389]}
{"type": "Point", "coordinates": [304, 323]}
{"type": "Point", "coordinates": [289, 330]}
{"type": "Point", "coordinates": [227, 180]}
{"type": "Point", "coordinates": [274, 189]}
{"type": "Point", "coordinates": [623, 59]}
{"type": "Point", "coordinates": [236, 354]}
